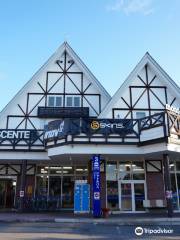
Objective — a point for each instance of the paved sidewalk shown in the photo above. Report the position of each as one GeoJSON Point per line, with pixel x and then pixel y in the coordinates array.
{"type": "Point", "coordinates": [65, 217]}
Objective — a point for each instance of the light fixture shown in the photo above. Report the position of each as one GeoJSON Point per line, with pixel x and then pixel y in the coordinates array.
{"type": "Point", "coordinates": [55, 167]}
{"type": "Point", "coordinates": [67, 167]}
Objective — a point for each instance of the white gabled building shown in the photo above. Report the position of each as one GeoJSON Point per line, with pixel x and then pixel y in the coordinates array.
{"type": "Point", "coordinates": [63, 116]}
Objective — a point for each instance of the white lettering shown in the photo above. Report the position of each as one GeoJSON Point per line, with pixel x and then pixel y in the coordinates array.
{"type": "Point", "coordinates": [14, 134]}
{"type": "Point", "coordinates": [111, 125]}
{"type": "Point", "coordinates": [54, 133]}
{"type": "Point", "coordinates": [27, 134]}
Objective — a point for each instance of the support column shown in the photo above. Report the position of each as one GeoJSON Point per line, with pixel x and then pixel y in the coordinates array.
{"type": "Point", "coordinates": [22, 185]}
{"type": "Point", "coordinates": [167, 182]}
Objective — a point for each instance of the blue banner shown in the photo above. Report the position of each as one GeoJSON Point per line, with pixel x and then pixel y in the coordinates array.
{"type": "Point", "coordinates": [96, 186]}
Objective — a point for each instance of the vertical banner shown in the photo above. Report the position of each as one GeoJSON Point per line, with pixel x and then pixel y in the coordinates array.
{"type": "Point", "coordinates": [96, 186]}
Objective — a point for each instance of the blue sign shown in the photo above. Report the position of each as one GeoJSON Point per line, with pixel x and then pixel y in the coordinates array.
{"type": "Point", "coordinates": [96, 186]}
{"type": "Point", "coordinates": [81, 197]}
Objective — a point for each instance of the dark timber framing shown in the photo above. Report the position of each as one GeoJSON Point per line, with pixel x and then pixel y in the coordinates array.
{"type": "Point", "coordinates": [30, 113]}
{"type": "Point", "coordinates": [147, 88]}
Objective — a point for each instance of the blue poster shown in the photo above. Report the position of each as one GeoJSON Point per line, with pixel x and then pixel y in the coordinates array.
{"type": "Point", "coordinates": [96, 186]}
{"type": "Point", "coordinates": [81, 197]}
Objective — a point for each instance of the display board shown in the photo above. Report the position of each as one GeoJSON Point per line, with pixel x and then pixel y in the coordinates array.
{"type": "Point", "coordinates": [81, 197]}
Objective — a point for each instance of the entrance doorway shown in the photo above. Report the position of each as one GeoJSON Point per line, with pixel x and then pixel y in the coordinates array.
{"type": "Point", "coordinates": [55, 186]}
{"type": "Point", "coordinates": [131, 195]}
{"type": "Point", "coordinates": [7, 193]}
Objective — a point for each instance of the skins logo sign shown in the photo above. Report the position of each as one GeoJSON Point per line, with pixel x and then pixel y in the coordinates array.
{"type": "Point", "coordinates": [95, 125]}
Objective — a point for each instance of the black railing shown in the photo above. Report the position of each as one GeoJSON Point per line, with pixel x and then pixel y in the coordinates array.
{"type": "Point", "coordinates": [157, 120]}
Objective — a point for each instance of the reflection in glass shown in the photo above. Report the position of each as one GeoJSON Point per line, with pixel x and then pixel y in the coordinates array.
{"type": "Point", "coordinates": [138, 176]}
{"type": "Point", "coordinates": [112, 195]}
{"type": "Point", "coordinates": [68, 192]}
{"type": "Point", "coordinates": [178, 185]}
{"type": "Point", "coordinates": [139, 196]}
{"type": "Point", "coordinates": [138, 166]}
{"type": "Point", "coordinates": [178, 166]}
{"type": "Point", "coordinates": [42, 186]}
{"type": "Point", "coordinates": [126, 197]}
{"type": "Point", "coordinates": [111, 171]}
{"type": "Point", "coordinates": [174, 192]}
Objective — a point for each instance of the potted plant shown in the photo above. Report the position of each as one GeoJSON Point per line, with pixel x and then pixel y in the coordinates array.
{"type": "Point", "coordinates": [105, 212]}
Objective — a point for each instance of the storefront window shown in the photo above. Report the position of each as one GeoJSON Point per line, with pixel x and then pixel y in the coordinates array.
{"type": "Point", "coordinates": [131, 170]}
{"type": "Point", "coordinates": [177, 166]}
{"type": "Point", "coordinates": [125, 170]}
{"type": "Point", "coordinates": [42, 185]}
{"type": "Point", "coordinates": [112, 195]}
{"type": "Point", "coordinates": [174, 192]}
{"type": "Point", "coordinates": [42, 170]}
{"type": "Point", "coordinates": [81, 170]}
{"type": "Point", "coordinates": [175, 182]}
{"type": "Point", "coordinates": [111, 171]}
{"type": "Point", "coordinates": [138, 171]}
{"type": "Point", "coordinates": [54, 192]}
{"type": "Point", "coordinates": [178, 185]}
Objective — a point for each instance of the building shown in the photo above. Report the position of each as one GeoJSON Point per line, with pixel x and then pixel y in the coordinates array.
{"type": "Point", "coordinates": [63, 116]}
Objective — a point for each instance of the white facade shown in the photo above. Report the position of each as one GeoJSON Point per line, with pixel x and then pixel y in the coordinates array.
{"type": "Point", "coordinates": [64, 86]}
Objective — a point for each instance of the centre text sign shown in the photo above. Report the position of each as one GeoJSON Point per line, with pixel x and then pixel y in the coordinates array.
{"type": "Point", "coordinates": [10, 134]}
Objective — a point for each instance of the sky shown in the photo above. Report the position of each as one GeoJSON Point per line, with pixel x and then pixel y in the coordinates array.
{"type": "Point", "coordinates": [110, 36]}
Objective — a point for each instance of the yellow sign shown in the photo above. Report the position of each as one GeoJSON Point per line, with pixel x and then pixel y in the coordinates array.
{"type": "Point", "coordinates": [95, 125]}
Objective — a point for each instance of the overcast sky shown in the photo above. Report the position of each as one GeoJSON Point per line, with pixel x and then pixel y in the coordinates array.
{"type": "Point", "coordinates": [110, 36]}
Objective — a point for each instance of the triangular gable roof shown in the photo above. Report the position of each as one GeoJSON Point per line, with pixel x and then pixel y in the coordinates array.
{"type": "Point", "coordinates": [64, 47]}
{"type": "Point", "coordinates": [147, 59]}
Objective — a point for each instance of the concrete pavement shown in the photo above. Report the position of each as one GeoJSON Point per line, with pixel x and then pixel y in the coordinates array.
{"type": "Point", "coordinates": [67, 217]}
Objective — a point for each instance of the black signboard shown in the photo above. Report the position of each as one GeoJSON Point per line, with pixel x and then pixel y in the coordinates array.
{"type": "Point", "coordinates": [61, 128]}
{"type": "Point", "coordinates": [19, 134]}
{"type": "Point", "coordinates": [107, 126]}
{"type": "Point", "coordinates": [63, 112]}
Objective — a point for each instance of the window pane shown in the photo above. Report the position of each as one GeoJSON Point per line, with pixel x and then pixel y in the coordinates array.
{"type": "Point", "coordinates": [112, 195]}
{"type": "Point", "coordinates": [174, 191]}
{"type": "Point", "coordinates": [124, 176]}
{"type": "Point", "coordinates": [76, 101]}
{"type": "Point", "coordinates": [69, 102]}
{"type": "Point", "coordinates": [138, 176]}
{"type": "Point", "coordinates": [140, 115]}
{"type": "Point", "coordinates": [51, 102]}
{"type": "Point", "coordinates": [178, 183]}
{"type": "Point", "coordinates": [125, 166]}
{"type": "Point", "coordinates": [171, 165]}
{"type": "Point", "coordinates": [111, 171]}
{"type": "Point", "coordinates": [58, 101]}
{"type": "Point", "coordinates": [42, 186]}
{"type": "Point", "coordinates": [137, 166]}
{"type": "Point", "coordinates": [178, 166]}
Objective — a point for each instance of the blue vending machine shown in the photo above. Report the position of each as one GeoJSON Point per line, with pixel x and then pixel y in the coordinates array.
{"type": "Point", "coordinates": [81, 197]}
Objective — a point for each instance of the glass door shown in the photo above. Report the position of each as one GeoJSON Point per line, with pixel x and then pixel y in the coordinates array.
{"type": "Point", "coordinates": [7, 193]}
{"type": "Point", "coordinates": [131, 195]}
{"type": "Point", "coordinates": [2, 194]}
{"type": "Point", "coordinates": [139, 196]}
{"type": "Point", "coordinates": [126, 197]}
{"type": "Point", "coordinates": [68, 192]}
{"type": "Point", "coordinates": [54, 192]}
